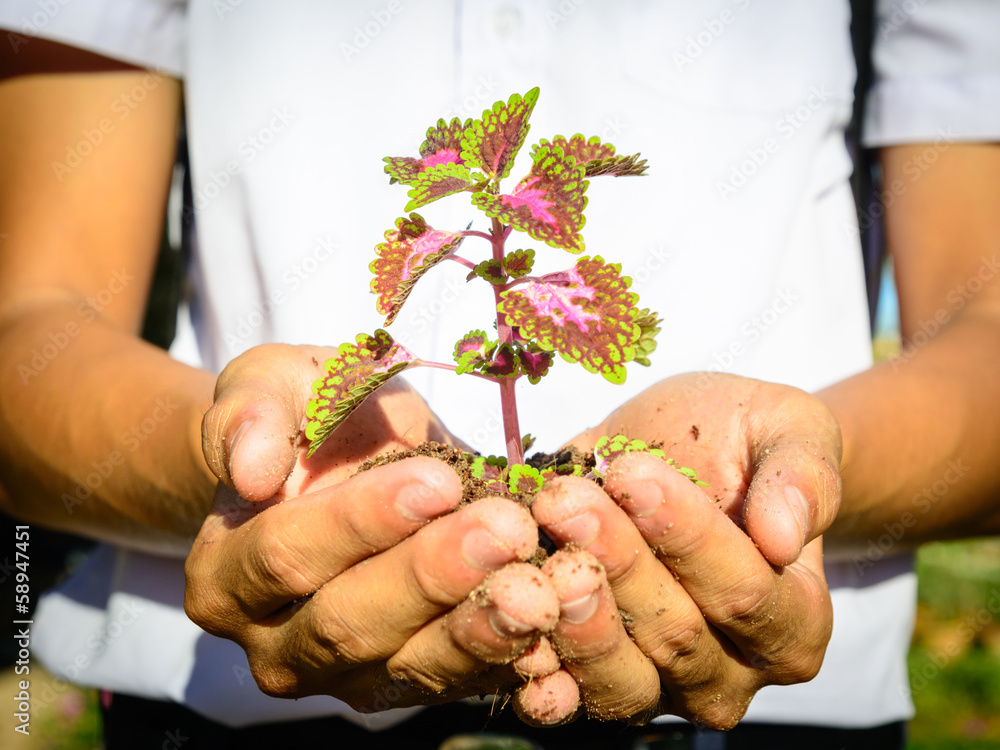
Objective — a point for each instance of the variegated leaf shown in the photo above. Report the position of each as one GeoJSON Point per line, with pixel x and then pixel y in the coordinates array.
{"type": "Point", "coordinates": [492, 143]}
{"type": "Point", "coordinates": [473, 350]}
{"type": "Point", "coordinates": [519, 263]}
{"type": "Point", "coordinates": [524, 480]}
{"type": "Point", "coordinates": [442, 145]}
{"type": "Point", "coordinates": [440, 181]}
{"type": "Point", "coordinates": [548, 204]}
{"type": "Point", "coordinates": [490, 471]}
{"type": "Point", "coordinates": [534, 364]}
{"type": "Point", "coordinates": [491, 270]}
{"type": "Point", "coordinates": [352, 375]}
{"type": "Point", "coordinates": [586, 314]}
{"type": "Point", "coordinates": [617, 166]}
{"type": "Point", "coordinates": [580, 148]}
{"type": "Point", "coordinates": [409, 251]}
{"type": "Point", "coordinates": [504, 363]}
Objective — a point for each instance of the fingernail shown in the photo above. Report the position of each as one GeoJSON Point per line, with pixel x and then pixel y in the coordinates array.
{"type": "Point", "coordinates": [484, 551]}
{"type": "Point", "coordinates": [580, 530]}
{"type": "Point", "coordinates": [579, 610]}
{"type": "Point", "coordinates": [420, 502]}
{"type": "Point", "coordinates": [505, 626]}
{"type": "Point", "coordinates": [643, 499]}
{"type": "Point", "coordinates": [235, 442]}
{"type": "Point", "coordinates": [796, 503]}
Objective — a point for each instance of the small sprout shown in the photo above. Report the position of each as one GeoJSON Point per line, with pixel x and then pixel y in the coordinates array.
{"type": "Point", "coordinates": [524, 480]}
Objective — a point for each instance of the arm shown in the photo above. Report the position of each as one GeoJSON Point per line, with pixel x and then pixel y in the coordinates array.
{"type": "Point", "coordinates": [920, 432]}
{"type": "Point", "coordinates": [100, 431]}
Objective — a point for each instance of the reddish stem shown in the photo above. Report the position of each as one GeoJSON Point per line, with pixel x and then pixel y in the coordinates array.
{"type": "Point", "coordinates": [508, 401]}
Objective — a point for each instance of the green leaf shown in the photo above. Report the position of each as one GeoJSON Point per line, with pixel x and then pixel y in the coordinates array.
{"type": "Point", "coordinates": [649, 326]}
{"type": "Point", "coordinates": [440, 181]}
{"type": "Point", "coordinates": [617, 166]}
{"type": "Point", "coordinates": [586, 314]}
{"type": "Point", "coordinates": [442, 145]}
{"type": "Point", "coordinates": [610, 447]}
{"type": "Point", "coordinates": [598, 158]}
{"type": "Point", "coordinates": [410, 250]}
{"type": "Point", "coordinates": [519, 263]}
{"type": "Point", "coordinates": [524, 480]}
{"type": "Point", "coordinates": [548, 204]}
{"type": "Point", "coordinates": [352, 375]}
{"type": "Point", "coordinates": [492, 143]}
{"type": "Point", "coordinates": [491, 270]}
{"type": "Point", "coordinates": [473, 350]}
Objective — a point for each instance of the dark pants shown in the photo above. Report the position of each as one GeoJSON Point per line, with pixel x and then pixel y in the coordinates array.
{"type": "Point", "coordinates": [139, 724]}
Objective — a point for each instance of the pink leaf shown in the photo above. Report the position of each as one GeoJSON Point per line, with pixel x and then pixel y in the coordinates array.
{"type": "Point", "coordinates": [492, 142]}
{"type": "Point", "coordinates": [585, 314]}
{"type": "Point", "coordinates": [352, 375]}
{"type": "Point", "coordinates": [410, 250]}
{"type": "Point", "coordinates": [548, 204]}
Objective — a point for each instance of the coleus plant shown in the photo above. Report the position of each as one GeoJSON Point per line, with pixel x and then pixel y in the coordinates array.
{"type": "Point", "coordinates": [584, 314]}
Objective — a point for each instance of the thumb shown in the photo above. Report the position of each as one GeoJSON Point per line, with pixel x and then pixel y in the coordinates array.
{"type": "Point", "coordinates": [793, 497]}
{"type": "Point", "coordinates": [249, 434]}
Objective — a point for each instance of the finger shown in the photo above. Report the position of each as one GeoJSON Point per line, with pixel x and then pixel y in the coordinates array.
{"type": "Point", "coordinates": [548, 701]}
{"type": "Point", "coordinates": [780, 616]}
{"type": "Point", "coordinates": [795, 492]}
{"type": "Point", "coordinates": [494, 626]}
{"type": "Point", "coordinates": [249, 433]}
{"type": "Point", "coordinates": [291, 549]}
{"type": "Point", "coordinates": [662, 618]}
{"type": "Point", "coordinates": [367, 613]}
{"type": "Point", "coordinates": [616, 680]}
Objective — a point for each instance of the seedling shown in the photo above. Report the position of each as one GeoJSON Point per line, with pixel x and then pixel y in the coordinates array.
{"type": "Point", "coordinates": [584, 314]}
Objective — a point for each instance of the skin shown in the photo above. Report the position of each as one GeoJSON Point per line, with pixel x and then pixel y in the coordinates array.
{"type": "Point", "coordinates": [63, 241]}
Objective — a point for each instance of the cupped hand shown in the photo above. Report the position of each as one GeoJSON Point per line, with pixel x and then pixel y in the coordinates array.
{"type": "Point", "coordinates": [683, 599]}
{"type": "Point", "coordinates": [343, 584]}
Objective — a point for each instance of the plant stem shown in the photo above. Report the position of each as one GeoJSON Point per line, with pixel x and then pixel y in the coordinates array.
{"type": "Point", "coordinates": [508, 401]}
{"type": "Point", "coordinates": [474, 233]}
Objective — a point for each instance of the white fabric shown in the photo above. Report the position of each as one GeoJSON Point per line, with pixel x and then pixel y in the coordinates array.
{"type": "Point", "coordinates": [743, 237]}
{"type": "Point", "coordinates": [937, 72]}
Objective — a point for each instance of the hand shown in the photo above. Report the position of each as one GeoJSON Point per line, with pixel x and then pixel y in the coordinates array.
{"type": "Point", "coordinates": [346, 585]}
{"type": "Point", "coordinates": [708, 616]}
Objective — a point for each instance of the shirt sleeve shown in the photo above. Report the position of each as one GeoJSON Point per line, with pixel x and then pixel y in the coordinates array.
{"type": "Point", "coordinates": [937, 72]}
{"type": "Point", "coordinates": [147, 33]}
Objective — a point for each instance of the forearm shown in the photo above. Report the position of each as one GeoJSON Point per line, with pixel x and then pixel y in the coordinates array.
{"type": "Point", "coordinates": [921, 435]}
{"type": "Point", "coordinates": [100, 432]}
{"type": "Point", "coordinates": [921, 440]}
